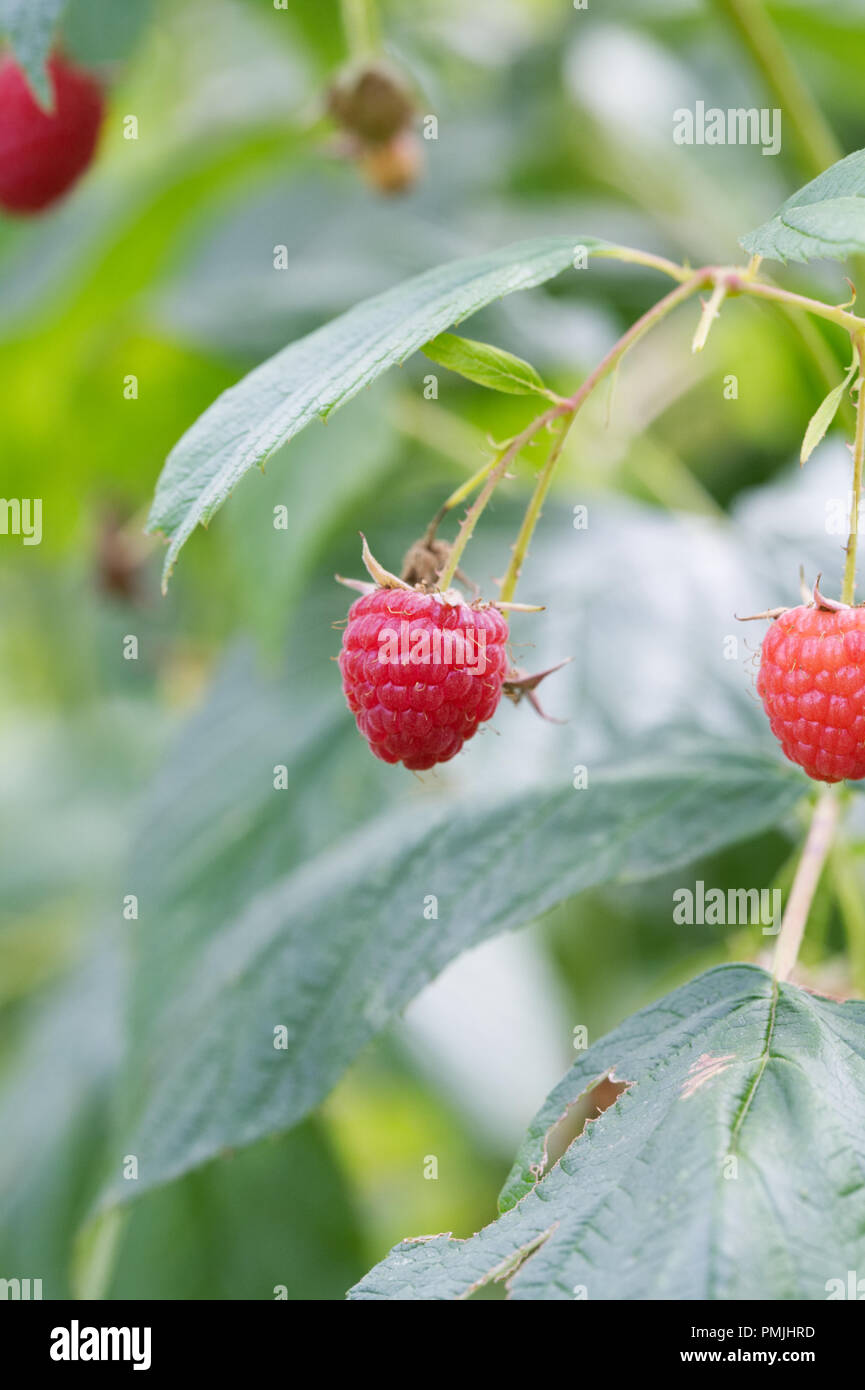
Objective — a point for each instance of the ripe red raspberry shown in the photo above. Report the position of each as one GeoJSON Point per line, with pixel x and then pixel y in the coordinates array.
{"type": "Point", "coordinates": [812, 684]}
{"type": "Point", "coordinates": [42, 153]}
{"type": "Point", "coordinates": [421, 673]}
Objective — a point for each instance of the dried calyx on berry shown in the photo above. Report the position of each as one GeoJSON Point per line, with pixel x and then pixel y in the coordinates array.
{"type": "Point", "coordinates": [425, 562]}
{"type": "Point", "coordinates": [371, 100]}
{"type": "Point", "coordinates": [120, 552]}
{"type": "Point", "coordinates": [422, 668]}
{"type": "Point", "coordinates": [815, 600]}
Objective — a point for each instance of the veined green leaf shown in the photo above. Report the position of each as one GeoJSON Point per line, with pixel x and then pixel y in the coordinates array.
{"type": "Point", "coordinates": [246, 1203]}
{"type": "Point", "coordinates": [824, 415]}
{"type": "Point", "coordinates": [318, 373]}
{"type": "Point", "coordinates": [54, 1108]}
{"type": "Point", "coordinates": [485, 365]}
{"type": "Point", "coordinates": [825, 220]}
{"type": "Point", "coordinates": [731, 1166]}
{"type": "Point", "coordinates": [332, 950]}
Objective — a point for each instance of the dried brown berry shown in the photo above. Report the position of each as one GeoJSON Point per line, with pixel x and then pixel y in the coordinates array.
{"type": "Point", "coordinates": [371, 102]}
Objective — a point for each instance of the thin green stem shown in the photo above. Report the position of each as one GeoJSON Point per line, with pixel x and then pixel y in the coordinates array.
{"type": "Point", "coordinates": [630, 256]}
{"type": "Point", "coordinates": [711, 310]}
{"type": "Point", "coordinates": [848, 588]}
{"type": "Point", "coordinates": [458, 495]}
{"type": "Point", "coordinates": [822, 356]}
{"type": "Point", "coordinates": [816, 848]}
{"type": "Point", "coordinates": [360, 27]}
{"type": "Point", "coordinates": [533, 513]}
{"type": "Point", "coordinates": [572, 404]}
{"type": "Point", "coordinates": [741, 280]}
{"type": "Point", "coordinates": [723, 280]}
{"type": "Point", "coordinates": [851, 323]}
{"type": "Point", "coordinates": [648, 320]}
{"type": "Point", "coordinates": [813, 135]}
{"type": "Point", "coordinates": [497, 472]}
{"type": "Point", "coordinates": [846, 873]}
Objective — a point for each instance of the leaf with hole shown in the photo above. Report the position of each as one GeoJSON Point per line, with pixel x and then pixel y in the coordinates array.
{"type": "Point", "coordinates": [333, 946]}
{"type": "Point", "coordinates": [730, 1166]}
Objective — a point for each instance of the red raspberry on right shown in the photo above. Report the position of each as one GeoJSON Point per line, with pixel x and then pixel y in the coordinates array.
{"type": "Point", "coordinates": [812, 684]}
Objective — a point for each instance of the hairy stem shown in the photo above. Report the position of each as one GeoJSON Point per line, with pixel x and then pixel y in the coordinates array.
{"type": "Point", "coordinates": [846, 874]}
{"type": "Point", "coordinates": [848, 588]}
{"type": "Point", "coordinates": [458, 495]}
{"type": "Point", "coordinates": [823, 358]}
{"type": "Point", "coordinates": [630, 256]}
{"type": "Point", "coordinates": [494, 476]}
{"type": "Point", "coordinates": [817, 144]}
{"type": "Point", "coordinates": [711, 310]}
{"type": "Point", "coordinates": [851, 323]}
{"type": "Point", "coordinates": [648, 320]}
{"type": "Point", "coordinates": [570, 405]}
{"type": "Point", "coordinates": [817, 846]}
{"type": "Point", "coordinates": [533, 513]}
{"type": "Point", "coordinates": [723, 280]}
{"type": "Point", "coordinates": [359, 26]}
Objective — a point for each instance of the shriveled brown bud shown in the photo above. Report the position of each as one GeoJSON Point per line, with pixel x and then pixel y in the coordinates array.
{"type": "Point", "coordinates": [371, 102]}
{"type": "Point", "coordinates": [120, 554]}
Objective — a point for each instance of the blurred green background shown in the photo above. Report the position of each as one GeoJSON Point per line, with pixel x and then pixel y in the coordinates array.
{"type": "Point", "coordinates": [153, 776]}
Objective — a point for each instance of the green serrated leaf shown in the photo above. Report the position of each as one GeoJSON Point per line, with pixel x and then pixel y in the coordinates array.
{"type": "Point", "coordinates": [317, 374]}
{"type": "Point", "coordinates": [54, 1108]}
{"type": "Point", "coordinates": [823, 416]}
{"type": "Point", "coordinates": [337, 945]}
{"type": "Point", "coordinates": [825, 220]}
{"type": "Point", "coordinates": [246, 1204]}
{"type": "Point", "coordinates": [731, 1166]}
{"type": "Point", "coordinates": [485, 365]}
{"type": "Point", "coordinates": [30, 26]}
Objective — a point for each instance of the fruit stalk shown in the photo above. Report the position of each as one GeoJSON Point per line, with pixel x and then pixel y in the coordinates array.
{"type": "Point", "coordinates": [458, 495]}
{"type": "Point", "coordinates": [760, 37]}
{"type": "Point", "coordinates": [532, 516]}
{"type": "Point", "coordinates": [497, 472]}
{"type": "Point", "coordinates": [817, 846]}
{"type": "Point", "coordinates": [359, 27]}
{"type": "Point", "coordinates": [723, 280]}
{"type": "Point", "coordinates": [845, 870]}
{"type": "Point", "coordinates": [852, 323]}
{"type": "Point", "coordinates": [629, 255]}
{"type": "Point", "coordinates": [569, 407]}
{"type": "Point", "coordinates": [849, 586]}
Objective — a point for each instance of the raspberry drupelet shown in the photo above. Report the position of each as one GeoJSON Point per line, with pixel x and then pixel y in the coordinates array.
{"type": "Point", "coordinates": [421, 672]}
{"type": "Point", "coordinates": [812, 684]}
